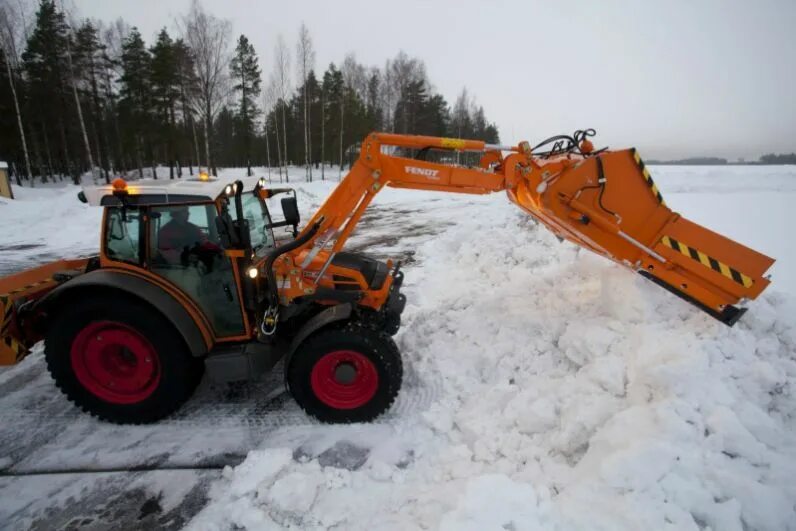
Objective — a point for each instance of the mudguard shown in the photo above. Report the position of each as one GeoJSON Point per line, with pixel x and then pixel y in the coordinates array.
{"type": "Point", "coordinates": [338, 312]}
{"type": "Point", "coordinates": [133, 286]}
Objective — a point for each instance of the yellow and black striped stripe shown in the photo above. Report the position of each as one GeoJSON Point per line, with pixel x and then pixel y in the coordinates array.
{"type": "Point", "coordinates": [647, 177]}
{"type": "Point", "coordinates": [707, 261]}
{"type": "Point", "coordinates": [18, 348]}
{"type": "Point", "coordinates": [26, 288]}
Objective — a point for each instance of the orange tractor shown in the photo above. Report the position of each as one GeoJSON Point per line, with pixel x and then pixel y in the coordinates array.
{"type": "Point", "coordinates": [190, 277]}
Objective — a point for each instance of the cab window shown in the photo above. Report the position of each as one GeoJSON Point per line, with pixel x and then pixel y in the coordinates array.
{"type": "Point", "coordinates": [185, 249]}
{"type": "Point", "coordinates": [122, 235]}
{"type": "Point", "coordinates": [262, 236]}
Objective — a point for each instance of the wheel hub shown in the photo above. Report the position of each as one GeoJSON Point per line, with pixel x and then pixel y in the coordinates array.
{"type": "Point", "coordinates": [345, 373]}
{"type": "Point", "coordinates": [344, 379]}
{"type": "Point", "coordinates": [115, 362]}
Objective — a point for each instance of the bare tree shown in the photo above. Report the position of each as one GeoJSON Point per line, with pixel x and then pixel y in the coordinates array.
{"type": "Point", "coordinates": [73, 79]}
{"type": "Point", "coordinates": [323, 133]}
{"type": "Point", "coordinates": [271, 95]}
{"type": "Point", "coordinates": [388, 96]}
{"type": "Point", "coordinates": [282, 64]}
{"type": "Point", "coordinates": [355, 76]}
{"type": "Point", "coordinates": [305, 58]}
{"type": "Point", "coordinates": [461, 114]}
{"type": "Point", "coordinates": [401, 72]}
{"type": "Point", "coordinates": [354, 79]}
{"type": "Point", "coordinates": [11, 21]}
{"type": "Point", "coordinates": [208, 38]}
{"type": "Point", "coordinates": [112, 38]}
{"type": "Point", "coordinates": [268, 99]}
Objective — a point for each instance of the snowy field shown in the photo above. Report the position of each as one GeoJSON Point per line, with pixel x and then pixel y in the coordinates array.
{"type": "Point", "coordinates": [546, 388]}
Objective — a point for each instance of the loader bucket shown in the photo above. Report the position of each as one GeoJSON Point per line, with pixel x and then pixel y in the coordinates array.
{"type": "Point", "coordinates": [17, 292]}
{"type": "Point", "coordinates": [610, 204]}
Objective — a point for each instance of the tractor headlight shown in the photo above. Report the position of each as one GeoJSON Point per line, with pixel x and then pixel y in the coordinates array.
{"type": "Point", "coordinates": [252, 272]}
{"type": "Point", "coordinates": [229, 190]}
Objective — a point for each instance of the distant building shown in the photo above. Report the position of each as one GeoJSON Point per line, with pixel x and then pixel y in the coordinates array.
{"type": "Point", "coordinates": [5, 182]}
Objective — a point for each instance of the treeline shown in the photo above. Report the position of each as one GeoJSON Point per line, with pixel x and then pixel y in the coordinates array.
{"type": "Point", "coordinates": [785, 158]}
{"type": "Point", "coordinates": [78, 96]}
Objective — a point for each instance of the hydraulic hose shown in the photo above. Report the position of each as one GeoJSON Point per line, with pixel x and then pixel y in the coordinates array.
{"type": "Point", "coordinates": [275, 253]}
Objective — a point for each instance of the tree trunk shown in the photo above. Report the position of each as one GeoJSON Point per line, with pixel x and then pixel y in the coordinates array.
{"type": "Point", "coordinates": [36, 151]}
{"type": "Point", "coordinates": [16, 174]}
{"type": "Point", "coordinates": [172, 156]}
{"type": "Point", "coordinates": [49, 157]}
{"type": "Point", "coordinates": [267, 151]}
{"type": "Point", "coordinates": [98, 136]}
{"type": "Point", "coordinates": [86, 143]}
{"type": "Point", "coordinates": [139, 156]}
{"type": "Point", "coordinates": [66, 162]}
{"type": "Point", "coordinates": [207, 142]}
{"type": "Point", "coordinates": [340, 171]}
{"type": "Point", "coordinates": [19, 119]}
{"type": "Point", "coordinates": [306, 140]}
{"type": "Point", "coordinates": [323, 135]}
{"type": "Point", "coordinates": [284, 139]}
{"type": "Point", "coordinates": [196, 147]}
{"type": "Point", "coordinates": [278, 145]}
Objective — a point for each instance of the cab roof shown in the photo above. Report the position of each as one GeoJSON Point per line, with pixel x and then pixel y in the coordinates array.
{"type": "Point", "coordinates": [177, 191]}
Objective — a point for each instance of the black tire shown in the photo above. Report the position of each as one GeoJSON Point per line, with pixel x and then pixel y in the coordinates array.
{"type": "Point", "coordinates": [376, 347]}
{"type": "Point", "coordinates": [178, 371]}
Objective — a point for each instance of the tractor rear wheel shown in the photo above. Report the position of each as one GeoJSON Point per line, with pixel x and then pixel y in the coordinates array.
{"type": "Point", "coordinates": [343, 375]}
{"type": "Point", "coordinates": [120, 361]}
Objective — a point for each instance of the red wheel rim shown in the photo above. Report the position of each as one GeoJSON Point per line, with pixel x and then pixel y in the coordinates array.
{"type": "Point", "coordinates": [344, 379]}
{"type": "Point", "coordinates": [115, 362]}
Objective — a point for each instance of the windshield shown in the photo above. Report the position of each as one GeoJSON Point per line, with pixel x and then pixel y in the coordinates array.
{"type": "Point", "coordinates": [256, 214]}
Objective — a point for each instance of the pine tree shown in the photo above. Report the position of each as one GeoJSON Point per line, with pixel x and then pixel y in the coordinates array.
{"type": "Point", "coordinates": [165, 91]}
{"type": "Point", "coordinates": [88, 57]}
{"type": "Point", "coordinates": [246, 73]}
{"type": "Point", "coordinates": [135, 94]}
{"type": "Point", "coordinates": [44, 63]}
{"type": "Point", "coordinates": [186, 81]}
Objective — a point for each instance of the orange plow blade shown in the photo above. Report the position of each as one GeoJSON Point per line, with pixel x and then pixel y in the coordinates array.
{"type": "Point", "coordinates": [16, 292]}
{"type": "Point", "coordinates": [610, 204]}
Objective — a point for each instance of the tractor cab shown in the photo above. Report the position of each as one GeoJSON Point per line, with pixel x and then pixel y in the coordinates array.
{"type": "Point", "coordinates": [201, 239]}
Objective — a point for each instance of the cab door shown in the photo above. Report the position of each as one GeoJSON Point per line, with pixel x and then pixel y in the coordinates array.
{"type": "Point", "coordinates": [184, 248]}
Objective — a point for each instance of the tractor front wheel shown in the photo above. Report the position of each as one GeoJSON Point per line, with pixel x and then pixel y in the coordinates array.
{"type": "Point", "coordinates": [343, 375]}
{"type": "Point", "coordinates": [120, 361]}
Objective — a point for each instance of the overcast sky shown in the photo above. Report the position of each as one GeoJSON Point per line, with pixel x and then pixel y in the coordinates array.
{"type": "Point", "coordinates": [673, 78]}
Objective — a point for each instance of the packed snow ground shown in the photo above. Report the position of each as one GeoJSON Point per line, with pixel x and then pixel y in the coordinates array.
{"type": "Point", "coordinates": [564, 391]}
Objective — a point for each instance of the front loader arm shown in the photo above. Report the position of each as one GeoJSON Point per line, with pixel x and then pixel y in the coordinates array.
{"type": "Point", "coordinates": [375, 169]}
{"type": "Point", "coordinates": [605, 201]}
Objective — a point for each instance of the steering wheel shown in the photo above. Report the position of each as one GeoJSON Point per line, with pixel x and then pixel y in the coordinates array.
{"type": "Point", "coordinates": [202, 256]}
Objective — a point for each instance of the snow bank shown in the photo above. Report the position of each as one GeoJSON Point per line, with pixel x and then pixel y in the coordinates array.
{"type": "Point", "coordinates": [569, 394]}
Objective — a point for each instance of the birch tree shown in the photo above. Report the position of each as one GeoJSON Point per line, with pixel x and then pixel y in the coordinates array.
{"type": "Point", "coordinates": [282, 73]}
{"type": "Point", "coordinates": [10, 35]}
{"type": "Point", "coordinates": [208, 38]}
{"type": "Point", "coordinates": [78, 106]}
{"type": "Point", "coordinates": [305, 58]}
{"type": "Point", "coordinates": [272, 101]}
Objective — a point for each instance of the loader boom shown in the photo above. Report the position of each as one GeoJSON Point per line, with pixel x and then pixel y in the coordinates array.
{"type": "Point", "coordinates": [605, 201]}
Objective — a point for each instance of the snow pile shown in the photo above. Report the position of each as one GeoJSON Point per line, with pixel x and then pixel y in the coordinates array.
{"type": "Point", "coordinates": [569, 394]}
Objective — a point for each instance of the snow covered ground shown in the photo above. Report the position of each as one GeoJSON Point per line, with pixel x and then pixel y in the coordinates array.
{"type": "Point", "coordinates": [545, 388]}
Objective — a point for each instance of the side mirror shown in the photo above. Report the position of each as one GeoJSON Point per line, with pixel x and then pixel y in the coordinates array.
{"type": "Point", "coordinates": [290, 211]}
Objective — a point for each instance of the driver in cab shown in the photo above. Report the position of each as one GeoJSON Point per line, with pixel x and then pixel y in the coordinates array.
{"type": "Point", "coordinates": [180, 241]}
